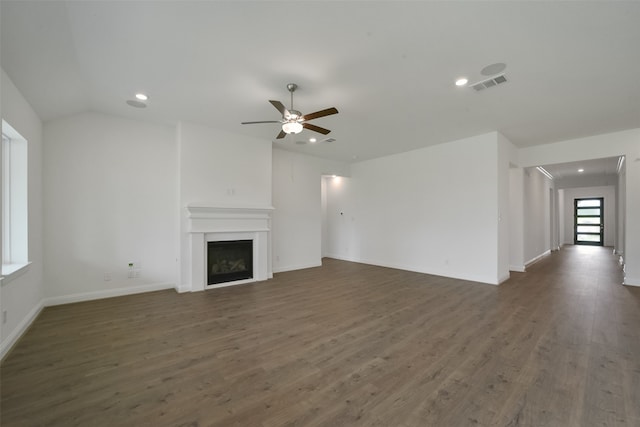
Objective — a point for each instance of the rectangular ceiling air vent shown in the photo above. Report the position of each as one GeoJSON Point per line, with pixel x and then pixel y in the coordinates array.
{"type": "Point", "coordinates": [500, 79]}
{"type": "Point", "coordinates": [493, 81]}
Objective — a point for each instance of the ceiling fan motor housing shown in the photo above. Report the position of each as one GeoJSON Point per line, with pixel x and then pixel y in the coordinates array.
{"type": "Point", "coordinates": [292, 115]}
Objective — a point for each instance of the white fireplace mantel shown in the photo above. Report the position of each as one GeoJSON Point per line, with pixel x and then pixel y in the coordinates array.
{"type": "Point", "coordinates": [207, 223]}
{"type": "Point", "coordinates": [202, 218]}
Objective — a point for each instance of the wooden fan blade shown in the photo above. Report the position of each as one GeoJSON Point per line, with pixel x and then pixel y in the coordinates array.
{"type": "Point", "coordinates": [279, 106]}
{"type": "Point", "coordinates": [281, 135]}
{"type": "Point", "coordinates": [315, 128]}
{"type": "Point", "coordinates": [321, 113]}
{"type": "Point", "coordinates": [253, 123]}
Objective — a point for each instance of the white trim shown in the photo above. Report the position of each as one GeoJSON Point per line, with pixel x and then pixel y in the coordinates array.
{"type": "Point", "coordinates": [619, 165]}
{"type": "Point", "coordinates": [448, 274]}
{"type": "Point", "coordinates": [234, 283]}
{"type": "Point", "coordinates": [182, 289]}
{"type": "Point", "coordinates": [109, 293]}
{"type": "Point", "coordinates": [537, 258]}
{"type": "Point", "coordinates": [12, 271]}
{"type": "Point", "coordinates": [504, 278]}
{"type": "Point", "coordinates": [297, 267]}
{"type": "Point", "coordinates": [211, 219]}
{"type": "Point", "coordinates": [631, 281]}
{"type": "Point", "coordinates": [8, 343]}
{"type": "Point", "coordinates": [210, 223]}
{"type": "Point", "coordinates": [14, 336]}
{"type": "Point", "coordinates": [544, 172]}
{"type": "Point", "coordinates": [518, 268]}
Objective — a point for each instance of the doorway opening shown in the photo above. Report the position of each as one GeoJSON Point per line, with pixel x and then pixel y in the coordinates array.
{"type": "Point", "coordinates": [589, 221]}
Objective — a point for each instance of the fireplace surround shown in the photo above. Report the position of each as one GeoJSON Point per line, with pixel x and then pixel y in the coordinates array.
{"type": "Point", "coordinates": [207, 223]}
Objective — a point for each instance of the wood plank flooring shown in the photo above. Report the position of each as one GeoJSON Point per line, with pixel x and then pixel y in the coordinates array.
{"type": "Point", "coordinates": [344, 344]}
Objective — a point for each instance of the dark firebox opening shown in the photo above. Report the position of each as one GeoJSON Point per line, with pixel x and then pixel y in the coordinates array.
{"type": "Point", "coordinates": [229, 261]}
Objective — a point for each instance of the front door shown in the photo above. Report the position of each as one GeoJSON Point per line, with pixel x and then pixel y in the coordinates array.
{"type": "Point", "coordinates": [589, 221]}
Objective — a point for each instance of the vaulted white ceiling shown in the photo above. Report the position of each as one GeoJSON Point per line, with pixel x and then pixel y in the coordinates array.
{"type": "Point", "coordinates": [389, 67]}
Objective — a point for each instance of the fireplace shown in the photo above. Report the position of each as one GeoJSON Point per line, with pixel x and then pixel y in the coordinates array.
{"type": "Point", "coordinates": [229, 261]}
{"type": "Point", "coordinates": [206, 223]}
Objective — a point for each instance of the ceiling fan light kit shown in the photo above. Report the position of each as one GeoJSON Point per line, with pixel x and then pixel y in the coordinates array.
{"type": "Point", "coordinates": [293, 121]}
{"type": "Point", "coordinates": [292, 127]}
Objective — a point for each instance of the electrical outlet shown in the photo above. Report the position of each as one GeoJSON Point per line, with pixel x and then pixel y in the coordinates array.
{"type": "Point", "coordinates": [4, 316]}
{"type": "Point", "coordinates": [107, 277]}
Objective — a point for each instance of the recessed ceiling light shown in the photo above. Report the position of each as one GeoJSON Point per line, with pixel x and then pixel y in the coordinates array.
{"type": "Point", "coordinates": [461, 81]}
{"type": "Point", "coordinates": [580, 170]}
{"type": "Point", "coordinates": [312, 140]}
{"type": "Point", "coordinates": [141, 96]}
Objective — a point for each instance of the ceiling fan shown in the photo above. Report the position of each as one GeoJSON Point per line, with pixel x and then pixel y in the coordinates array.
{"type": "Point", "coordinates": [293, 121]}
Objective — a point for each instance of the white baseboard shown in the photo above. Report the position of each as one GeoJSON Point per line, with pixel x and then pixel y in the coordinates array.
{"type": "Point", "coordinates": [14, 336]}
{"type": "Point", "coordinates": [296, 267]}
{"type": "Point", "coordinates": [629, 281]}
{"type": "Point", "coordinates": [537, 258]}
{"type": "Point", "coordinates": [109, 293]}
{"type": "Point", "coordinates": [22, 327]}
{"type": "Point", "coordinates": [182, 289]}
{"type": "Point", "coordinates": [504, 278]}
{"type": "Point", "coordinates": [523, 268]}
{"type": "Point", "coordinates": [471, 278]}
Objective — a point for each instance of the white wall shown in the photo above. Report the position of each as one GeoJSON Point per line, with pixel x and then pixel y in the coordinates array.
{"type": "Point", "coordinates": [433, 210]}
{"type": "Point", "coordinates": [626, 143]}
{"type": "Point", "coordinates": [22, 296]}
{"type": "Point", "coordinates": [506, 155]}
{"type": "Point", "coordinates": [621, 197]}
{"type": "Point", "coordinates": [516, 219]}
{"type": "Point", "coordinates": [213, 162]}
{"type": "Point", "coordinates": [555, 218]}
{"type": "Point", "coordinates": [537, 215]}
{"type": "Point", "coordinates": [324, 227]}
{"type": "Point", "coordinates": [110, 197]}
{"type": "Point", "coordinates": [297, 198]}
{"type": "Point", "coordinates": [561, 213]}
{"type": "Point", "coordinates": [609, 194]}
{"type": "Point", "coordinates": [218, 169]}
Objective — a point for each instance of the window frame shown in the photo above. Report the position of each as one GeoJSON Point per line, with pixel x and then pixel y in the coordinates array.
{"type": "Point", "coordinates": [14, 250]}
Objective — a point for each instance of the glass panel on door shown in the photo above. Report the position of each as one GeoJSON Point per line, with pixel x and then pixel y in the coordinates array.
{"type": "Point", "coordinates": [589, 221]}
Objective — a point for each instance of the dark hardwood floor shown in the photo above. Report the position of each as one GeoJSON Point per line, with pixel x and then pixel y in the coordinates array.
{"type": "Point", "coordinates": [344, 344]}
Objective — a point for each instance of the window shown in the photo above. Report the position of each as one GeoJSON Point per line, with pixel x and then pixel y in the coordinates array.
{"type": "Point", "coordinates": [15, 251]}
